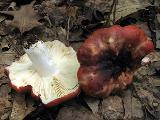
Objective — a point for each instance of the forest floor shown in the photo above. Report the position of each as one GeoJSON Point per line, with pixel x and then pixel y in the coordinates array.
{"type": "Point", "coordinates": [72, 21]}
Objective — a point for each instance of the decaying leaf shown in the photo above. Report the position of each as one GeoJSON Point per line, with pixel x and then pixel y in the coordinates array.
{"type": "Point", "coordinates": [7, 54]}
{"type": "Point", "coordinates": [148, 92]}
{"type": "Point", "coordinates": [4, 46]}
{"type": "Point", "coordinates": [2, 72]}
{"type": "Point", "coordinates": [24, 19]}
{"type": "Point", "coordinates": [5, 104]}
{"type": "Point", "coordinates": [123, 8]}
{"type": "Point", "coordinates": [112, 108]}
{"type": "Point", "coordinates": [132, 107]}
{"type": "Point", "coordinates": [58, 16]}
{"type": "Point", "coordinates": [20, 109]}
{"type": "Point", "coordinates": [127, 100]}
{"type": "Point", "coordinates": [4, 3]}
{"type": "Point", "coordinates": [71, 11]}
{"type": "Point", "coordinates": [93, 103]}
{"type": "Point", "coordinates": [4, 109]}
{"type": "Point", "coordinates": [137, 112]}
{"type": "Point", "coordinates": [154, 81]}
{"type": "Point", "coordinates": [12, 6]}
{"type": "Point", "coordinates": [154, 57]}
{"type": "Point", "coordinates": [102, 5]}
{"type": "Point", "coordinates": [7, 59]}
{"type": "Point", "coordinates": [148, 101]}
{"type": "Point", "coordinates": [152, 66]}
{"type": "Point", "coordinates": [76, 112]}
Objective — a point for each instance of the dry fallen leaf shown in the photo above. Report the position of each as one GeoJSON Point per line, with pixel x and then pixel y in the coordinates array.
{"type": "Point", "coordinates": [76, 112]}
{"type": "Point", "coordinates": [102, 5]}
{"type": "Point", "coordinates": [137, 111]}
{"type": "Point", "coordinates": [123, 8]}
{"type": "Point", "coordinates": [93, 103]}
{"type": "Point", "coordinates": [112, 108]}
{"type": "Point", "coordinates": [7, 59]}
{"type": "Point", "coordinates": [5, 104]}
{"type": "Point", "coordinates": [127, 101]}
{"type": "Point", "coordinates": [24, 19]}
{"type": "Point", "coordinates": [20, 108]}
{"type": "Point", "coordinates": [72, 11]}
{"type": "Point", "coordinates": [2, 72]}
{"type": "Point", "coordinates": [152, 68]}
{"type": "Point", "coordinates": [4, 46]}
{"type": "Point", "coordinates": [4, 3]}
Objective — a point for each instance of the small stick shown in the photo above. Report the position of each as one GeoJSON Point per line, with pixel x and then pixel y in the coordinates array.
{"type": "Point", "coordinates": [67, 37]}
{"type": "Point", "coordinates": [14, 46]}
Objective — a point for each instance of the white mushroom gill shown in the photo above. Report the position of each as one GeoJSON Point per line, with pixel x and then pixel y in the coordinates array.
{"type": "Point", "coordinates": [41, 59]}
{"type": "Point", "coordinates": [49, 67]}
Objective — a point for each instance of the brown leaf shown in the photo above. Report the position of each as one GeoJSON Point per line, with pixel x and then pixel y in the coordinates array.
{"type": "Point", "coordinates": [7, 59]}
{"type": "Point", "coordinates": [137, 111]}
{"type": "Point", "coordinates": [76, 112]}
{"type": "Point", "coordinates": [102, 5]}
{"type": "Point", "coordinates": [25, 18]}
{"type": "Point", "coordinates": [5, 90]}
{"type": "Point", "coordinates": [2, 72]}
{"type": "Point", "coordinates": [4, 46]}
{"type": "Point", "coordinates": [112, 108]}
{"type": "Point", "coordinates": [132, 107]}
{"type": "Point", "coordinates": [155, 81]}
{"type": "Point", "coordinates": [123, 8]}
{"type": "Point", "coordinates": [20, 108]}
{"type": "Point", "coordinates": [93, 103]}
{"type": "Point", "coordinates": [72, 11]}
{"type": "Point", "coordinates": [127, 101]}
{"type": "Point", "coordinates": [5, 104]}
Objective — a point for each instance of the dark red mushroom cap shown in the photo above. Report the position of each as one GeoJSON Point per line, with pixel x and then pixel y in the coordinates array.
{"type": "Point", "coordinates": [109, 57]}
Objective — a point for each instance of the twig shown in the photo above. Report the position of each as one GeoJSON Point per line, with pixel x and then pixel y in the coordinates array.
{"type": "Point", "coordinates": [48, 20]}
{"type": "Point", "coordinates": [14, 46]}
{"type": "Point", "coordinates": [68, 24]}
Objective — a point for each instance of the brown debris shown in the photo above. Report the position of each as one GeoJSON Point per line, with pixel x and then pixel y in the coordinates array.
{"type": "Point", "coordinates": [101, 5]}
{"type": "Point", "coordinates": [127, 100]}
{"type": "Point", "coordinates": [76, 112]}
{"type": "Point", "coordinates": [137, 111]}
{"type": "Point", "coordinates": [112, 108]}
{"type": "Point", "coordinates": [2, 72]}
{"type": "Point", "coordinates": [93, 104]}
{"type": "Point", "coordinates": [20, 108]}
{"type": "Point", "coordinates": [75, 20]}
{"type": "Point", "coordinates": [25, 18]}
{"type": "Point", "coordinates": [7, 58]}
{"type": "Point", "coordinates": [132, 107]}
{"type": "Point", "coordinates": [5, 108]}
{"type": "Point", "coordinates": [5, 104]}
{"type": "Point", "coordinates": [148, 100]}
{"type": "Point", "coordinates": [124, 8]}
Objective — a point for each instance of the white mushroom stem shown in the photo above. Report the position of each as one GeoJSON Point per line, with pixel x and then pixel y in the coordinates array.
{"type": "Point", "coordinates": [41, 60]}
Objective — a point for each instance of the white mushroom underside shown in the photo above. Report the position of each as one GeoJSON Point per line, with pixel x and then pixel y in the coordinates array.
{"type": "Point", "coordinates": [49, 88]}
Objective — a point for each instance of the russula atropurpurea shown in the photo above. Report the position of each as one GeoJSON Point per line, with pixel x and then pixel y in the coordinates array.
{"type": "Point", "coordinates": [48, 70]}
{"type": "Point", "coordinates": [109, 57]}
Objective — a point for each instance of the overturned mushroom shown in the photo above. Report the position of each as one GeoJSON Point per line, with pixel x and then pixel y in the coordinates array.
{"type": "Point", "coordinates": [109, 57]}
{"type": "Point", "coordinates": [48, 70]}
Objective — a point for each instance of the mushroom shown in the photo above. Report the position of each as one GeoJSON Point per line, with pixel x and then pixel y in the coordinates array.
{"type": "Point", "coordinates": [49, 70]}
{"type": "Point", "coordinates": [109, 57]}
